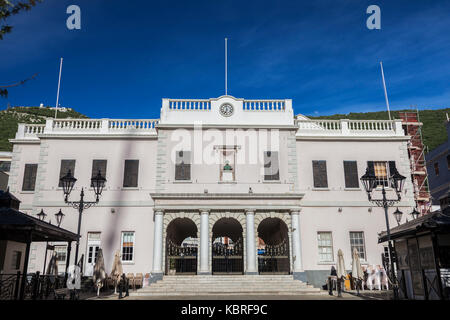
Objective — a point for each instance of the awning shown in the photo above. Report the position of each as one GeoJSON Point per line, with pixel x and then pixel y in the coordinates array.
{"type": "Point", "coordinates": [16, 226]}
{"type": "Point", "coordinates": [437, 221]}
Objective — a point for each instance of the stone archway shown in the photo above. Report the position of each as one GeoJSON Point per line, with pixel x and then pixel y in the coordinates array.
{"type": "Point", "coordinates": [227, 249]}
{"type": "Point", "coordinates": [273, 243]}
{"type": "Point", "coordinates": [181, 242]}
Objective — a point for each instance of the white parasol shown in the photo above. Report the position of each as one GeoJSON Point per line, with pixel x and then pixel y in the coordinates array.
{"type": "Point", "coordinates": [117, 270]}
{"type": "Point", "coordinates": [340, 268]}
{"type": "Point", "coordinates": [99, 271]}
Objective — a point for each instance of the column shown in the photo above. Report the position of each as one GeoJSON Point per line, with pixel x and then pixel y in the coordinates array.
{"type": "Point", "coordinates": [204, 242]}
{"type": "Point", "coordinates": [251, 240]}
{"type": "Point", "coordinates": [297, 246]}
{"type": "Point", "coordinates": [157, 272]}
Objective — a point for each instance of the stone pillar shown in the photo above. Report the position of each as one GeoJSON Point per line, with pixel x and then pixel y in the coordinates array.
{"type": "Point", "coordinates": [204, 242]}
{"type": "Point", "coordinates": [157, 272]}
{"type": "Point", "coordinates": [252, 258]}
{"type": "Point", "coordinates": [298, 271]}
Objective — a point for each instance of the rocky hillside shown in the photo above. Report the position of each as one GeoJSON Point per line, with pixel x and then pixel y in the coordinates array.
{"type": "Point", "coordinates": [11, 117]}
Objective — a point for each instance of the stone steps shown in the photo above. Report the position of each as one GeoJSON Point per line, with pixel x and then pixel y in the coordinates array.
{"type": "Point", "coordinates": [227, 285]}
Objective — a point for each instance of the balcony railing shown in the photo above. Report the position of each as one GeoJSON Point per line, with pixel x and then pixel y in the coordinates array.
{"type": "Point", "coordinates": [88, 126]}
{"type": "Point", "coordinates": [344, 127]}
{"type": "Point", "coordinates": [264, 105]}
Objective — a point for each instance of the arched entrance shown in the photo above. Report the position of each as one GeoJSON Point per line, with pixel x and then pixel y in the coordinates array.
{"type": "Point", "coordinates": [181, 247]}
{"type": "Point", "coordinates": [273, 247]}
{"type": "Point", "coordinates": [227, 247]}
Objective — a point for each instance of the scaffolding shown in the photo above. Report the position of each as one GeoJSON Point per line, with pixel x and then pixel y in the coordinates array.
{"type": "Point", "coordinates": [416, 152]}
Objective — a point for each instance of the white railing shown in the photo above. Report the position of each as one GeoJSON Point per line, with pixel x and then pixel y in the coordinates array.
{"type": "Point", "coordinates": [121, 125]}
{"type": "Point", "coordinates": [189, 104]}
{"type": "Point", "coordinates": [264, 105]}
{"type": "Point", "coordinates": [319, 125]}
{"type": "Point", "coordinates": [33, 129]}
{"type": "Point", "coordinates": [344, 127]}
{"type": "Point", "coordinates": [76, 124]}
{"type": "Point", "coordinates": [88, 126]}
{"type": "Point", "coordinates": [371, 125]}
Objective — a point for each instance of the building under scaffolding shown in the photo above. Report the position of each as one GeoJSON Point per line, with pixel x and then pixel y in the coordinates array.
{"type": "Point", "coordinates": [416, 152]}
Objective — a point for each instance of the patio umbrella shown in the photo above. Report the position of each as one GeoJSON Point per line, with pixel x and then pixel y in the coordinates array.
{"type": "Point", "coordinates": [52, 268]}
{"type": "Point", "coordinates": [117, 270]}
{"type": "Point", "coordinates": [340, 268]}
{"type": "Point", "coordinates": [99, 271]}
{"type": "Point", "coordinates": [357, 272]}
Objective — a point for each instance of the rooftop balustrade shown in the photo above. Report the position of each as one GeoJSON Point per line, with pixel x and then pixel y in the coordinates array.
{"type": "Point", "coordinates": [345, 127]}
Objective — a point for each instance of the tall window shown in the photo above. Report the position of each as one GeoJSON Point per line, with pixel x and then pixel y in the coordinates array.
{"type": "Point", "coordinates": [66, 165]}
{"type": "Point", "coordinates": [357, 241]}
{"type": "Point", "coordinates": [16, 260]}
{"type": "Point", "coordinates": [5, 166]}
{"type": "Point", "coordinates": [183, 165]}
{"type": "Point", "coordinates": [271, 166]}
{"type": "Point", "coordinates": [98, 165]}
{"type": "Point", "coordinates": [320, 174]}
{"type": "Point", "coordinates": [351, 174]}
{"type": "Point", "coordinates": [325, 242]}
{"type": "Point", "coordinates": [131, 172]}
{"type": "Point", "coordinates": [127, 246]}
{"type": "Point", "coordinates": [382, 170]}
{"type": "Point", "coordinates": [29, 177]}
{"type": "Point", "coordinates": [61, 252]}
{"type": "Point", "coordinates": [448, 162]}
{"type": "Point", "coordinates": [436, 168]}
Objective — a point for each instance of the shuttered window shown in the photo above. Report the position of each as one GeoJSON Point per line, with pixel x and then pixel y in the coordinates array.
{"type": "Point", "coordinates": [183, 165]}
{"type": "Point", "coordinates": [271, 166]}
{"type": "Point", "coordinates": [66, 165]}
{"type": "Point", "coordinates": [131, 173]}
{"type": "Point", "coordinates": [351, 174]}
{"type": "Point", "coordinates": [96, 166]}
{"type": "Point", "coordinates": [29, 177]}
{"type": "Point", "coordinates": [320, 174]}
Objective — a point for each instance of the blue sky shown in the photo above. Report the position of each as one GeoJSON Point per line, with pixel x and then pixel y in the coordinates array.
{"type": "Point", "coordinates": [129, 55]}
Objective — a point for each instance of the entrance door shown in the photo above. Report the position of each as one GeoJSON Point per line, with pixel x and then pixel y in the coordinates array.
{"type": "Point", "coordinates": [92, 250]}
{"type": "Point", "coordinates": [227, 256]}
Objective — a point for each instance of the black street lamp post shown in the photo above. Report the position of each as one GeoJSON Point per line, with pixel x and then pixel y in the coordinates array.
{"type": "Point", "coordinates": [68, 181]}
{"type": "Point", "coordinates": [396, 181]}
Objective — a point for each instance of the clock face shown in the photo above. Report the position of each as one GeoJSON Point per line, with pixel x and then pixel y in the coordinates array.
{"type": "Point", "coordinates": [226, 110]}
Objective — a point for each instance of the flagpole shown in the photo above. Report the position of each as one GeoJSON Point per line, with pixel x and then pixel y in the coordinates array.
{"type": "Point", "coordinates": [226, 66]}
{"type": "Point", "coordinates": [59, 83]}
{"type": "Point", "coordinates": [385, 91]}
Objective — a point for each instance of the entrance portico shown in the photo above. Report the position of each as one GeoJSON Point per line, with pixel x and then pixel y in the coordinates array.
{"type": "Point", "coordinates": [235, 216]}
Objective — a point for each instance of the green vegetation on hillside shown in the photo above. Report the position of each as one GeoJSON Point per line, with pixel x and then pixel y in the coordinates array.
{"type": "Point", "coordinates": [433, 130]}
{"type": "Point", "coordinates": [10, 118]}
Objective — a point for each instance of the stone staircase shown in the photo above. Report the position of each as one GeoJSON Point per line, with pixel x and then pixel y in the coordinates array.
{"type": "Point", "coordinates": [196, 285]}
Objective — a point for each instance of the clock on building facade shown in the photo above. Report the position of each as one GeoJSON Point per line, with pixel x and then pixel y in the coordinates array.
{"type": "Point", "coordinates": [226, 110]}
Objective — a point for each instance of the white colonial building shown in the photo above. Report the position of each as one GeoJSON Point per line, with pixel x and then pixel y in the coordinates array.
{"type": "Point", "coordinates": [226, 168]}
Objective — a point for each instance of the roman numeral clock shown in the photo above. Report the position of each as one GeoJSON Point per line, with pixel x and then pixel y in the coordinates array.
{"type": "Point", "coordinates": [226, 110]}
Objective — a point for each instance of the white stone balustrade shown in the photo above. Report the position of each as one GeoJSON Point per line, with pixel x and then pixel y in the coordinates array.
{"type": "Point", "coordinates": [189, 104]}
{"type": "Point", "coordinates": [347, 127]}
{"type": "Point", "coordinates": [88, 126]}
{"type": "Point", "coordinates": [264, 105]}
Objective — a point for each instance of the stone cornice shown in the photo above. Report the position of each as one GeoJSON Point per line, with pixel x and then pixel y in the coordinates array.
{"type": "Point", "coordinates": [209, 196]}
{"type": "Point", "coordinates": [352, 138]}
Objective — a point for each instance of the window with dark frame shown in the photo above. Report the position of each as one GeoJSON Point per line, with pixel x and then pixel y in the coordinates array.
{"type": "Point", "coordinates": [448, 162]}
{"type": "Point", "coordinates": [183, 166]}
{"type": "Point", "coordinates": [96, 166]}
{"type": "Point", "coordinates": [271, 166]}
{"type": "Point", "coordinates": [320, 173]}
{"type": "Point", "coordinates": [29, 177]}
{"type": "Point", "coordinates": [66, 165]}
{"type": "Point", "coordinates": [436, 168]}
{"type": "Point", "coordinates": [383, 170]}
{"type": "Point", "coordinates": [131, 173]}
{"type": "Point", "coordinates": [16, 260]}
{"type": "Point", "coordinates": [351, 174]}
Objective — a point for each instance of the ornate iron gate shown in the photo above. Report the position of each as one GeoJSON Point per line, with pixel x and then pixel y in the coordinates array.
{"type": "Point", "coordinates": [274, 259]}
{"type": "Point", "coordinates": [228, 259]}
{"type": "Point", "coordinates": [181, 259]}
